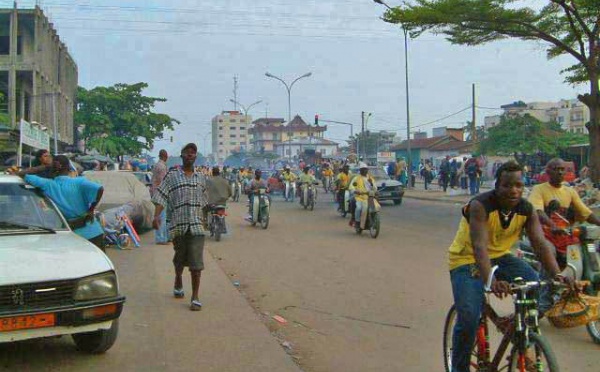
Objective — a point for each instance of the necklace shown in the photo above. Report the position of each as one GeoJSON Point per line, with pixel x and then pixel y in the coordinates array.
{"type": "Point", "coordinates": [506, 216]}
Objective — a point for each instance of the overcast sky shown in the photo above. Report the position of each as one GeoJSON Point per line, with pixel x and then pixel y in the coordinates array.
{"type": "Point", "coordinates": [188, 51]}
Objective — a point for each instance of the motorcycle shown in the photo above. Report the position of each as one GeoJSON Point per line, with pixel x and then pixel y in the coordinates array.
{"type": "Point", "coordinates": [309, 195]}
{"type": "Point", "coordinates": [343, 201]}
{"type": "Point", "coordinates": [216, 221]}
{"type": "Point", "coordinates": [581, 261]}
{"type": "Point", "coordinates": [369, 217]}
{"type": "Point", "coordinates": [235, 190]}
{"type": "Point", "coordinates": [327, 183]}
{"type": "Point", "coordinates": [289, 191]}
{"type": "Point", "coordinates": [260, 208]}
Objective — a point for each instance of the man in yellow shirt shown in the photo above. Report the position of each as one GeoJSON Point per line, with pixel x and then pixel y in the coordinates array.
{"type": "Point", "coordinates": [361, 186]}
{"type": "Point", "coordinates": [342, 182]}
{"type": "Point", "coordinates": [491, 223]}
{"type": "Point", "coordinates": [305, 180]}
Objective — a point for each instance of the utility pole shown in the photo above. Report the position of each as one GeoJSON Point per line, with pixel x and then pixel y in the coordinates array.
{"type": "Point", "coordinates": [235, 90]}
{"type": "Point", "coordinates": [474, 117]}
{"type": "Point", "coordinates": [362, 132]}
{"type": "Point", "coordinates": [55, 123]}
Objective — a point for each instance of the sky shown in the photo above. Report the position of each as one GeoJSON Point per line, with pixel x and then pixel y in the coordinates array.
{"type": "Point", "coordinates": [189, 51]}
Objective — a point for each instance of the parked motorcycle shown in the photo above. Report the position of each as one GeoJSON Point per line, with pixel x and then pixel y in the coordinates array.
{"type": "Point", "coordinates": [309, 195]}
{"type": "Point", "coordinates": [289, 191]}
{"type": "Point", "coordinates": [369, 218]}
{"type": "Point", "coordinates": [581, 261]}
{"type": "Point", "coordinates": [260, 208]}
{"type": "Point", "coordinates": [216, 221]}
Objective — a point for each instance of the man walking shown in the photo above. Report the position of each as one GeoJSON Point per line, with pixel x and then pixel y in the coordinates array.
{"type": "Point", "coordinates": [159, 171]}
{"type": "Point", "coordinates": [183, 193]}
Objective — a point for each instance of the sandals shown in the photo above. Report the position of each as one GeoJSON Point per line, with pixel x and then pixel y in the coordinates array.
{"type": "Point", "coordinates": [196, 305]}
{"type": "Point", "coordinates": [178, 293]}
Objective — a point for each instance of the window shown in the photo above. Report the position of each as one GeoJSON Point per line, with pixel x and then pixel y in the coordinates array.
{"type": "Point", "coordinates": [242, 128]}
{"type": "Point", "coordinates": [232, 136]}
{"type": "Point", "coordinates": [232, 128]}
{"type": "Point", "coordinates": [274, 136]}
{"type": "Point", "coordinates": [232, 120]}
{"type": "Point", "coordinates": [220, 136]}
{"type": "Point", "coordinates": [233, 143]}
{"type": "Point", "coordinates": [220, 143]}
{"type": "Point", "coordinates": [242, 120]}
{"type": "Point", "coordinates": [5, 45]}
{"type": "Point", "coordinates": [323, 152]}
{"type": "Point", "coordinates": [220, 120]}
{"type": "Point", "coordinates": [561, 119]}
{"type": "Point", "coordinates": [242, 136]}
{"type": "Point", "coordinates": [220, 128]}
{"type": "Point", "coordinates": [220, 150]}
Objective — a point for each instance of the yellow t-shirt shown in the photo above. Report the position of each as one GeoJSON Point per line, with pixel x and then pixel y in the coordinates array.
{"type": "Point", "coordinates": [343, 180]}
{"type": "Point", "coordinates": [571, 206]}
{"type": "Point", "coordinates": [503, 231]}
{"type": "Point", "coordinates": [327, 172]}
{"type": "Point", "coordinates": [363, 184]}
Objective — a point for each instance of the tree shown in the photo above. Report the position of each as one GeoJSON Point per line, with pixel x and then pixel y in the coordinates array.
{"type": "Point", "coordinates": [368, 143]}
{"type": "Point", "coordinates": [480, 131]}
{"type": "Point", "coordinates": [119, 119]}
{"type": "Point", "coordinates": [527, 135]}
{"type": "Point", "coordinates": [569, 27]}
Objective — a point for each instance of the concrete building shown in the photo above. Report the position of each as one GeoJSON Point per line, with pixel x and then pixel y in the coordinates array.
{"type": "Point", "coordinates": [38, 76]}
{"type": "Point", "coordinates": [267, 132]}
{"type": "Point", "coordinates": [230, 134]}
{"type": "Point", "coordinates": [297, 147]}
{"type": "Point", "coordinates": [570, 114]}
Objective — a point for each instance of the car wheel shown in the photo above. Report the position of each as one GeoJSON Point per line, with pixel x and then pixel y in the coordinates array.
{"type": "Point", "coordinates": [397, 201]}
{"type": "Point", "coordinates": [97, 342]}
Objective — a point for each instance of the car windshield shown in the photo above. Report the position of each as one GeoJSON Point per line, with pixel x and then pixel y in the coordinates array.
{"type": "Point", "coordinates": [23, 207]}
{"type": "Point", "coordinates": [378, 174]}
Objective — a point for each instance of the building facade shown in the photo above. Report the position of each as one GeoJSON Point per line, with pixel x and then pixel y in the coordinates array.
{"type": "Point", "coordinates": [266, 133]}
{"type": "Point", "coordinates": [295, 148]}
{"type": "Point", "coordinates": [38, 76]}
{"type": "Point", "coordinates": [230, 134]}
{"type": "Point", "coordinates": [570, 114]}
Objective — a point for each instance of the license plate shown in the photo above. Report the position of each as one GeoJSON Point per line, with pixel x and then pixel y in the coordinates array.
{"type": "Point", "coordinates": [27, 322]}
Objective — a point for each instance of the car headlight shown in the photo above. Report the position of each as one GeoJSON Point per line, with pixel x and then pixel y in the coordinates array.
{"type": "Point", "coordinates": [97, 287]}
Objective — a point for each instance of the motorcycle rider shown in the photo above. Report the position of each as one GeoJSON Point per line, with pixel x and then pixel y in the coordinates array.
{"type": "Point", "coordinates": [288, 176]}
{"type": "Point", "coordinates": [252, 188]}
{"type": "Point", "coordinates": [341, 183]}
{"type": "Point", "coordinates": [305, 179]}
{"type": "Point", "coordinates": [218, 191]}
{"type": "Point", "coordinates": [490, 225]}
{"type": "Point", "coordinates": [360, 187]}
{"type": "Point", "coordinates": [327, 174]}
{"type": "Point", "coordinates": [558, 206]}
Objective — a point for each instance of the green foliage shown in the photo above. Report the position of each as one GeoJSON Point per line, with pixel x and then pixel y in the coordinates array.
{"type": "Point", "coordinates": [368, 141]}
{"type": "Point", "coordinates": [119, 119]}
{"type": "Point", "coordinates": [527, 135]}
{"type": "Point", "coordinates": [568, 26]}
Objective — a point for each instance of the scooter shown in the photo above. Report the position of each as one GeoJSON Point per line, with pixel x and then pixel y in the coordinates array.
{"type": "Point", "coordinates": [327, 182]}
{"type": "Point", "coordinates": [235, 190]}
{"type": "Point", "coordinates": [343, 201]}
{"type": "Point", "coordinates": [260, 208]}
{"type": "Point", "coordinates": [369, 217]}
{"type": "Point", "coordinates": [289, 192]}
{"type": "Point", "coordinates": [216, 221]}
{"type": "Point", "coordinates": [309, 195]}
{"type": "Point", "coordinates": [581, 261]}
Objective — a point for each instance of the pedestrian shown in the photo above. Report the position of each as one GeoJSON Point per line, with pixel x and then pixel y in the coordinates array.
{"type": "Point", "coordinates": [462, 174]}
{"type": "Point", "coordinates": [183, 193]}
{"type": "Point", "coordinates": [453, 173]}
{"type": "Point", "coordinates": [75, 197]}
{"type": "Point", "coordinates": [472, 170]}
{"type": "Point", "coordinates": [445, 172]}
{"type": "Point", "coordinates": [159, 171]}
{"type": "Point", "coordinates": [427, 173]}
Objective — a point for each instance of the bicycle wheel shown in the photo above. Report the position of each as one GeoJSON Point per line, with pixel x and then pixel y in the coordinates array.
{"type": "Point", "coordinates": [593, 328]}
{"type": "Point", "coordinates": [264, 220]}
{"type": "Point", "coordinates": [447, 342]}
{"type": "Point", "coordinates": [538, 356]}
{"type": "Point", "coordinates": [375, 225]}
{"type": "Point", "coordinates": [218, 228]}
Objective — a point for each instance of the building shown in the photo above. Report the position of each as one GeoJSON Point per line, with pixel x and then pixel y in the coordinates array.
{"type": "Point", "coordinates": [297, 147]}
{"type": "Point", "coordinates": [38, 76]}
{"type": "Point", "coordinates": [267, 132]}
{"type": "Point", "coordinates": [450, 143]}
{"type": "Point", "coordinates": [230, 134]}
{"type": "Point", "coordinates": [570, 114]}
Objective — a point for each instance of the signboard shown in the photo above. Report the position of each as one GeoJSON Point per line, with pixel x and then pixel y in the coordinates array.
{"type": "Point", "coordinates": [383, 157]}
{"type": "Point", "coordinates": [33, 136]}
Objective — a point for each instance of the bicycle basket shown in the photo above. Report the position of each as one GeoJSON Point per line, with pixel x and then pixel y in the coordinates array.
{"type": "Point", "coordinates": [574, 309]}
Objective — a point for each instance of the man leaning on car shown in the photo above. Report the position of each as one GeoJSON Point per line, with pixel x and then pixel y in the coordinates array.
{"type": "Point", "coordinates": [76, 198]}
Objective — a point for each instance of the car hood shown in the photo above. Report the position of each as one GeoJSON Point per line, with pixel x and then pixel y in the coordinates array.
{"type": "Point", "coordinates": [388, 183]}
{"type": "Point", "coordinates": [46, 257]}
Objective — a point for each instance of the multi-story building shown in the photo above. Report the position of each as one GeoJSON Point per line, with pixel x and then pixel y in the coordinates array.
{"type": "Point", "coordinates": [570, 114]}
{"type": "Point", "coordinates": [230, 134]}
{"type": "Point", "coordinates": [38, 76]}
{"type": "Point", "coordinates": [267, 132]}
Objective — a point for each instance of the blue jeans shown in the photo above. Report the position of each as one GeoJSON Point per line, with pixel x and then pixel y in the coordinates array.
{"type": "Point", "coordinates": [162, 234]}
{"type": "Point", "coordinates": [473, 185]}
{"type": "Point", "coordinates": [468, 291]}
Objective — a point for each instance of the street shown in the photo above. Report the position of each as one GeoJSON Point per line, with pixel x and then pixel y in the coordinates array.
{"type": "Point", "coordinates": [352, 303]}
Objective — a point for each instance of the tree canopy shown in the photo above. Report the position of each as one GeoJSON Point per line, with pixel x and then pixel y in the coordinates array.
{"type": "Point", "coordinates": [569, 27]}
{"type": "Point", "coordinates": [119, 120]}
{"type": "Point", "coordinates": [527, 135]}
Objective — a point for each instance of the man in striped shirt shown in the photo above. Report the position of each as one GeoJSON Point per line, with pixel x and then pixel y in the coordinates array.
{"type": "Point", "coordinates": [183, 193]}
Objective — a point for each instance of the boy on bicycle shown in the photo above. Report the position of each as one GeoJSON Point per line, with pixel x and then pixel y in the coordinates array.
{"type": "Point", "coordinates": [491, 224]}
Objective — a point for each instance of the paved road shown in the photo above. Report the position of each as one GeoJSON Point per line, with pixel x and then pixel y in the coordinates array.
{"type": "Point", "coordinates": [358, 304]}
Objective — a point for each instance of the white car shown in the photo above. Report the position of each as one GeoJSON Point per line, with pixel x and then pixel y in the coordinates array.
{"type": "Point", "coordinates": [387, 188]}
{"type": "Point", "coordinates": [52, 281]}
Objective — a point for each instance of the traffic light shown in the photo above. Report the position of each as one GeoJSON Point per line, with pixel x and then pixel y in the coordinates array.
{"type": "Point", "coordinates": [316, 119]}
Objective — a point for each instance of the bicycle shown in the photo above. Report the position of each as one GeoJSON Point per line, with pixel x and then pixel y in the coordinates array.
{"type": "Point", "coordinates": [530, 350]}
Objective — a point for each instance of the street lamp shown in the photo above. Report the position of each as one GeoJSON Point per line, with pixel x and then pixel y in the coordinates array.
{"type": "Point", "coordinates": [289, 89]}
{"type": "Point", "coordinates": [409, 164]}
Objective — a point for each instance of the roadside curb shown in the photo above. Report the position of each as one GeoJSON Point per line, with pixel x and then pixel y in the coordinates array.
{"type": "Point", "coordinates": [434, 200]}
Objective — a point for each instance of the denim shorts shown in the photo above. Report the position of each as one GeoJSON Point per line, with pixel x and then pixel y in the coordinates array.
{"type": "Point", "coordinates": [189, 251]}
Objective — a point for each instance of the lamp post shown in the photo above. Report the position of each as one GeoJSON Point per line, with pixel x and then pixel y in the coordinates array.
{"type": "Point", "coordinates": [289, 89]}
{"type": "Point", "coordinates": [409, 164]}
